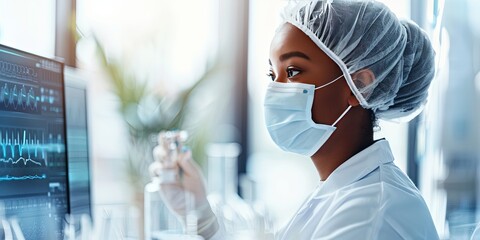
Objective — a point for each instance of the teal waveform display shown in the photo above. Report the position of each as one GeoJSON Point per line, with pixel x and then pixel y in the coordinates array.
{"type": "Point", "coordinates": [19, 97]}
{"type": "Point", "coordinates": [25, 148]}
{"type": "Point", "coordinates": [33, 158]}
{"type": "Point", "coordinates": [22, 178]}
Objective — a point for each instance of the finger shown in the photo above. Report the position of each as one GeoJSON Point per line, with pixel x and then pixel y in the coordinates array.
{"type": "Point", "coordinates": [161, 137]}
{"type": "Point", "coordinates": [153, 168]}
{"type": "Point", "coordinates": [187, 164]}
{"type": "Point", "coordinates": [159, 153]}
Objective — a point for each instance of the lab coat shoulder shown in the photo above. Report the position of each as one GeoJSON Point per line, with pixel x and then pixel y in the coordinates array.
{"type": "Point", "coordinates": [383, 205]}
{"type": "Point", "coordinates": [405, 213]}
{"type": "Point", "coordinates": [367, 197]}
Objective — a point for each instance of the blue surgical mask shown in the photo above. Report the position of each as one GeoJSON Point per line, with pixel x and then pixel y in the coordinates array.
{"type": "Point", "coordinates": [288, 117]}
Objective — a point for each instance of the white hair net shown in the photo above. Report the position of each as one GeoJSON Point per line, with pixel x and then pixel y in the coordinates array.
{"type": "Point", "coordinates": [365, 34]}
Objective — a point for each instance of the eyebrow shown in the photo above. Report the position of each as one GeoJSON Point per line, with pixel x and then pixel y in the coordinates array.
{"type": "Point", "coordinates": [288, 55]}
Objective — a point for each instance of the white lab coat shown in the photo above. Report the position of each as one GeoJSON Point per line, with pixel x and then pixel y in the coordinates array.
{"type": "Point", "coordinates": [367, 197]}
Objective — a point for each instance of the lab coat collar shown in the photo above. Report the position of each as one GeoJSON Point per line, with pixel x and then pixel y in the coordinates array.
{"type": "Point", "coordinates": [357, 167]}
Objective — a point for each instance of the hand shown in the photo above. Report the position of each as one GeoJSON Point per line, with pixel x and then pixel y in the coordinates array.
{"type": "Point", "coordinates": [182, 185]}
{"type": "Point", "coordinates": [177, 177]}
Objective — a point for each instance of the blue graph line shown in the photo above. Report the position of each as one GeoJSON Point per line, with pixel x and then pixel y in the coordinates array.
{"type": "Point", "coordinates": [18, 97]}
{"type": "Point", "coordinates": [24, 160]}
{"type": "Point", "coordinates": [15, 149]}
{"type": "Point", "coordinates": [21, 178]}
{"type": "Point", "coordinates": [18, 147]}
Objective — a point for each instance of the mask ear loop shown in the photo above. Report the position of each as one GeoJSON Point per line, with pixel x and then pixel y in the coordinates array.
{"type": "Point", "coordinates": [326, 84]}
{"type": "Point", "coordinates": [341, 116]}
{"type": "Point", "coordinates": [346, 110]}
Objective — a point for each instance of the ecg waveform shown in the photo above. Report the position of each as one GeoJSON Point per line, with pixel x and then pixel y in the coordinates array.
{"type": "Point", "coordinates": [20, 160]}
{"type": "Point", "coordinates": [22, 178]}
{"type": "Point", "coordinates": [19, 97]}
{"type": "Point", "coordinates": [22, 148]}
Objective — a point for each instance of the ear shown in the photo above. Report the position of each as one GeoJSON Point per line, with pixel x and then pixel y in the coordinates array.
{"type": "Point", "coordinates": [361, 79]}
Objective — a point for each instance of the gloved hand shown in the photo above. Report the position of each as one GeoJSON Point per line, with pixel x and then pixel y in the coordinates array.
{"type": "Point", "coordinates": [182, 185]}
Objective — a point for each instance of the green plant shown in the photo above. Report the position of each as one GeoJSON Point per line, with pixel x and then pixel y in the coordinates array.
{"type": "Point", "coordinates": [168, 113]}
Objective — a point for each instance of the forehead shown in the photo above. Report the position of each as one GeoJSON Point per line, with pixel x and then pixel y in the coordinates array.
{"type": "Point", "coordinates": [289, 38]}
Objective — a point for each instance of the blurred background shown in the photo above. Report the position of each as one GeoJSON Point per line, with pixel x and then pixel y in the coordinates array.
{"type": "Point", "coordinates": [200, 65]}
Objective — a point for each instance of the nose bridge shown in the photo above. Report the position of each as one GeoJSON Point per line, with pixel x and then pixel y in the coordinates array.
{"type": "Point", "coordinates": [281, 77]}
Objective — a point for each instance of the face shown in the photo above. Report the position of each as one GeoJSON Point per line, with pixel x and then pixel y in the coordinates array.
{"type": "Point", "coordinates": [295, 58]}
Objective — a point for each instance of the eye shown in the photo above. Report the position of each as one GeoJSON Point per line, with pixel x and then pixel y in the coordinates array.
{"type": "Point", "coordinates": [292, 72]}
{"type": "Point", "coordinates": [271, 75]}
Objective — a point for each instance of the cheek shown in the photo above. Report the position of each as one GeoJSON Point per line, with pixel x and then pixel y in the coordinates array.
{"type": "Point", "coordinates": [327, 107]}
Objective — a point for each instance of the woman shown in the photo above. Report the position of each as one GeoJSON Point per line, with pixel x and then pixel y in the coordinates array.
{"type": "Point", "coordinates": [336, 67]}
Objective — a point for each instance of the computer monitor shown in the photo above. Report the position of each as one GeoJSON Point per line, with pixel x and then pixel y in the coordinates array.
{"type": "Point", "coordinates": [77, 140]}
{"type": "Point", "coordinates": [33, 152]}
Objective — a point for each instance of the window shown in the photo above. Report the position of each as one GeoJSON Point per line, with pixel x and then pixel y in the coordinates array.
{"type": "Point", "coordinates": [28, 25]}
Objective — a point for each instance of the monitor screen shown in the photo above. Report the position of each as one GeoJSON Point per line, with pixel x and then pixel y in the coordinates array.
{"type": "Point", "coordinates": [33, 166]}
